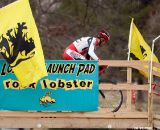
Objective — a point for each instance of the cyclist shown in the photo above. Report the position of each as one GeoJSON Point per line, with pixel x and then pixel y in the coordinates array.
{"type": "Point", "coordinates": [85, 46]}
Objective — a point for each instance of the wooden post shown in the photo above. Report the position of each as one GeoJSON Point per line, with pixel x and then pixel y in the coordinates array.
{"type": "Point", "coordinates": [150, 114]}
{"type": "Point", "coordinates": [150, 101]}
{"type": "Point", "coordinates": [129, 80]}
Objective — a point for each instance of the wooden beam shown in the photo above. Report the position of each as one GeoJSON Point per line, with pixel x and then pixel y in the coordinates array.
{"type": "Point", "coordinates": [155, 64]}
{"type": "Point", "coordinates": [129, 92]}
{"type": "Point", "coordinates": [123, 63]}
{"type": "Point", "coordinates": [71, 123]}
{"type": "Point", "coordinates": [156, 124]}
{"type": "Point", "coordinates": [150, 99]}
{"type": "Point", "coordinates": [102, 113]}
{"type": "Point", "coordinates": [139, 65]}
{"type": "Point", "coordinates": [156, 117]}
{"type": "Point", "coordinates": [106, 86]}
{"type": "Point", "coordinates": [129, 75]}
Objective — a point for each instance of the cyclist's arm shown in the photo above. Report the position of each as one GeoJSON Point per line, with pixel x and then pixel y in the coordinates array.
{"type": "Point", "coordinates": [91, 50]}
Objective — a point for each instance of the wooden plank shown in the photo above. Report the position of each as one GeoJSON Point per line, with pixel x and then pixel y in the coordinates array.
{"type": "Point", "coordinates": [129, 99]}
{"type": "Point", "coordinates": [155, 64]}
{"type": "Point", "coordinates": [129, 75]}
{"type": "Point", "coordinates": [150, 114]}
{"type": "Point", "coordinates": [156, 124]}
{"type": "Point", "coordinates": [139, 65]}
{"type": "Point", "coordinates": [71, 123]}
{"type": "Point", "coordinates": [150, 99]}
{"type": "Point", "coordinates": [123, 63]}
{"type": "Point", "coordinates": [156, 73]}
{"type": "Point", "coordinates": [156, 121]}
{"type": "Point", "coordinates": [102, 113]}
{"type": "Point", "coordinates": [156, 117]}
{"type": "Point", "coordinates": [107, 86]}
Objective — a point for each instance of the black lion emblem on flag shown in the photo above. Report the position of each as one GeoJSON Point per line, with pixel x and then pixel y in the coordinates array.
{"type": "Point", "coordinates": [15, 46]}
{"type": "Point", "coordinates": [143, 53]}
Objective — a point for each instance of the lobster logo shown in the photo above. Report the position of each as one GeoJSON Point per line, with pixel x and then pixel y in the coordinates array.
{"type": "Point", "coordinates": [47, 99]}
{"type": "Point", "coordinates": [15, 46]}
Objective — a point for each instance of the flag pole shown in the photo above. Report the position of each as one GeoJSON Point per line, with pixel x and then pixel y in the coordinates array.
{"type": "Point", "coordinates": [151, 64]}
{"type": "Point", "coordinates": [130, 38]}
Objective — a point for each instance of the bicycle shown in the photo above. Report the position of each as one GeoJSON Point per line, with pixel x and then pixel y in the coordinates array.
{"type": "Point", "coordinates": [110, 99]}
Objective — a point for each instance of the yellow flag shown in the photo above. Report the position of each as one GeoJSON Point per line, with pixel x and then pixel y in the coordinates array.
{"type": "Point", "coordinates": [139, 49]}
{"type": "Point", "coordinates": [20, 43]}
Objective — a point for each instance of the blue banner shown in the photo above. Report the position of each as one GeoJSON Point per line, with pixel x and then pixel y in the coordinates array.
{"type": "Point", "coordinates": [69, 86]}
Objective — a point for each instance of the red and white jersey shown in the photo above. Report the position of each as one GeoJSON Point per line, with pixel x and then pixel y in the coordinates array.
{"type": "Point", "coordinates": [86, 45]}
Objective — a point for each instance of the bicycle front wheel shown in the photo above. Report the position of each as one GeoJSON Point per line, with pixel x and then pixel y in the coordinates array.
{"type": "Point", "coordinates": [111, 100]}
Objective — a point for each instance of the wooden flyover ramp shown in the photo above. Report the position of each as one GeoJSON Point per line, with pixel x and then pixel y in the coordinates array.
{"type": "Point", "coordinates": [125, 118]}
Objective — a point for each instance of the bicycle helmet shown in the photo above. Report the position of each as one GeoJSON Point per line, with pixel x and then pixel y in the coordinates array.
{"type": "Point", "coordinates": [104, 34]}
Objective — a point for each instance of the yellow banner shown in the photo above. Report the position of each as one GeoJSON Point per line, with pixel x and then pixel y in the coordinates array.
{"type": "Point", "coordinates": [139, 49]}
{"type": "Point", "coordinates": [20, 43]}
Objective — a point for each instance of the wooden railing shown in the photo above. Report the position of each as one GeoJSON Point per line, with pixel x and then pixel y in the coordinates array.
{"type": "Point", "coordinates": [128, 86]}
{"type": "Point", "coordinates": [102, 119]}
